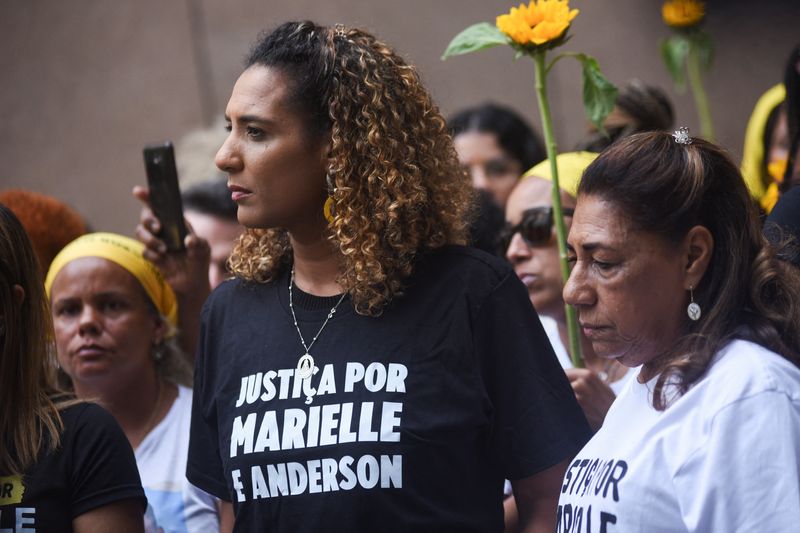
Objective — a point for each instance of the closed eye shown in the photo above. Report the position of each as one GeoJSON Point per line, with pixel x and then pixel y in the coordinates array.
{"type": "Point", "coordinates": [603, 266]}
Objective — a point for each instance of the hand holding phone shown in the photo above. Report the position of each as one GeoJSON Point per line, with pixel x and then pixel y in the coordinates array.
{"type": "Point", "coordinates": [165, 194]}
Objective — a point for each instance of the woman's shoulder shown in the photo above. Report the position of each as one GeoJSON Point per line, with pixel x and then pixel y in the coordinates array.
{"type": "Point", "coordinates": [86, 422]}
{"type": "Point", "coordinates": [744, 369]}
{"type": "Point", "coordinates": [183, 402]}
{"type": "Point", "coordinates": [453, 274]}
{"type": "Point", "coordinates": [238, 289]}
{"type": "Point", "coordinates": [84, 413]}
{"type": "Point", "coordinates": [464, 261]}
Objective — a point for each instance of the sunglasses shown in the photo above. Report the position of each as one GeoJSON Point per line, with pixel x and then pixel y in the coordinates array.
{"type": "Point", "coordinates": [535, 228]}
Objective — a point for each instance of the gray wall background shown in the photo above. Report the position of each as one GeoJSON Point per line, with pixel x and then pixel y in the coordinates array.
{"type": "Point", "coordinates": [87, 82]}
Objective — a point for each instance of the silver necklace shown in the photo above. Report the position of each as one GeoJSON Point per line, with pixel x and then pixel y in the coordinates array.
{"type": "Point", "coordinates": [305, 365]}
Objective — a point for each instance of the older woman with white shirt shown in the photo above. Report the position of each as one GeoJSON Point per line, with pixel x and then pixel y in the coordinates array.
{"type": "Point", "coordinates": [671, 272]}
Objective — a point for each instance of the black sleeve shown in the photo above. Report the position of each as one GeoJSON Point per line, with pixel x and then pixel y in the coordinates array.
{"type": "Point", "coordinates": [103, 467]}
{"type": "Point", "coordinates": [204, 467]}
{"type": "Point", "coordinates": [537, 421]}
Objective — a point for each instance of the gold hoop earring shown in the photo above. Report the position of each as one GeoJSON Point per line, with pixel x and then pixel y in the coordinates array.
{"type": "Point", "coordinates": [327, 209]}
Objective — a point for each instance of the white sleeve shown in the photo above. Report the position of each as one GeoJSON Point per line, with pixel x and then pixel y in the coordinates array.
{"type": "Point", "coordinates": [746, 476]}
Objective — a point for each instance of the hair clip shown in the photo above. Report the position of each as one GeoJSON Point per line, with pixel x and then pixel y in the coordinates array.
{"type": "Point", "coordinates": [340, 30]}
{"type": "Point", "coordinates": [681, 136]}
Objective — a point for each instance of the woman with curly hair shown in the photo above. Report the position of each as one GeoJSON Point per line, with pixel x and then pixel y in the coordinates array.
{"type": "Point", "coordinates": [365, 371]}
{"type": "Point", "coordinates": [64, 465]}
{"type": "Point", "coordinates": [671, 272]}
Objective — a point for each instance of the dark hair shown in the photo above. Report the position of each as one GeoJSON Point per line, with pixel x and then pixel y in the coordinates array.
{"type": "Point", "coordinates": [769, 129]}
{"type": "Point", "coordinates": [513, 134]}
{"type": "Point", "coordinates": [667, 188]}
{"type": "Point", "coordinates": [29, 418]}
{"type": "Point", "coordinates": [488, 220]}
{"type": "Point", "coordinates": [791, 80]}
{"type": "Point", "coordinates": [300, 50]}
{"type": "Point", "coordinates": [210, 197]}
{"type": "Point", "coordinates": [639, 107]}
{"type": "Point", "coordinates": [398, 189]}
{"type": "Point", "coordinates": [782, 226]}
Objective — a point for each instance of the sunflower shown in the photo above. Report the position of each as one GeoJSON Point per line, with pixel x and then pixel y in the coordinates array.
{"type": "Point", "coordinates": [537, 23]}
{"type": "Point", "coordinates": [682, 13]}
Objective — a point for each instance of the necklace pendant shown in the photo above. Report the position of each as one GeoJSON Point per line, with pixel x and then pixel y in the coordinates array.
{"type": "Point", "coordinates": [305, 367]}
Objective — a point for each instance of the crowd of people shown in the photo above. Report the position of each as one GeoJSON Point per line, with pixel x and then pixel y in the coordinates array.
{"type": "Point", "coordinates": [366, 330]}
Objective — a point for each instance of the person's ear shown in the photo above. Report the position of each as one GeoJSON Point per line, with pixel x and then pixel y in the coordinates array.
{"type": "Point", "coordinates": [160, 331]}
{"type": "Point", "coordinates": [698, 249]}
{"type": "Point", "coordinates": [326, 149]}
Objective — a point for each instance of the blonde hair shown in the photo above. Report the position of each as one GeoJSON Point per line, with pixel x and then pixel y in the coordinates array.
{"type": "Point", "coordinates": [398, 187]}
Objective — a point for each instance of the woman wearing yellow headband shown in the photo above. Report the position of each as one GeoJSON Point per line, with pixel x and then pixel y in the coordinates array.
{"type": "Point", "coordinates": [114, 319]}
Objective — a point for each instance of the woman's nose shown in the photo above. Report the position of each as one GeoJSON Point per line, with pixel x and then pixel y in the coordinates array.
{"type": "Point", "coordinates": [577, 291]}
{"type": "Point", "coordinates": [228, 159]}
{"type": "Point", "coordinates": [518, 249]}
{"type": "Point", "coordinates": [478, 175]}
{"type": "Point", "coordinates": [89, 321]}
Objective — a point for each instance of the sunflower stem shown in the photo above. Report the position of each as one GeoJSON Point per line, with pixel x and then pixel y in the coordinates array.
{"type": "Point", "coordinates": [558, 212]}
{"type": "Point", "coordinates": [699, 92]}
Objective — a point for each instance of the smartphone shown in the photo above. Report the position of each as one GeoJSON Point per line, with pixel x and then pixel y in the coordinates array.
{"type": "Point", "coordinates": [165, 194]}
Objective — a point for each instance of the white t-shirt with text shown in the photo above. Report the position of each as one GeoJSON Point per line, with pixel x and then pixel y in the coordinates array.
{"type": "Point", "coordinates": [724, 457]}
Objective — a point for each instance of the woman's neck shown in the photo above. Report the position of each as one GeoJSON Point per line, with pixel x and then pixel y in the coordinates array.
{"type": "Point", "coordinates": [317, 266]}
{"type": "Point", "coordinates": [137, 405]}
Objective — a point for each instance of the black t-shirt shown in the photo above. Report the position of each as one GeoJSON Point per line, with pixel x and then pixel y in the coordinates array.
{"type": "Point", "coordinates": [413, 419]}
{"type": "Point", "coordinates": [93, 466]}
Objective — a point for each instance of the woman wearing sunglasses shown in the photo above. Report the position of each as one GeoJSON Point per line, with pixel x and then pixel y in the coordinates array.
{"type": "Point", "coordinates": [529, 243]}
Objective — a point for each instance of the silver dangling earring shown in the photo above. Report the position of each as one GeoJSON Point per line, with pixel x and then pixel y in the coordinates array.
{"type": "Point", "coordinates": [693, 310]}
{"type": "Point", "coordinates": [158, 352]}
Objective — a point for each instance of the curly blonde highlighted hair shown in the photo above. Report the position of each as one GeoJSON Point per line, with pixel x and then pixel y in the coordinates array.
{"type": "Point", "coordinates": [398, 187]}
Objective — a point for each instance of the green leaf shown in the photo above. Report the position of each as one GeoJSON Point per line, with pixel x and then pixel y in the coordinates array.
{"type": "Point", "coordinates": [599, 94]}
{"type": "Point", "coordinates": [704, 47]}
{"type": "Point", "coordinates": [674, 51]}
{"type": "Point", "coordinates": [477, 37]}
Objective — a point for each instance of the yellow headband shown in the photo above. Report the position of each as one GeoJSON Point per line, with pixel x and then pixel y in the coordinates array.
{"type": "Point", "coordinates": [127, 253]}
{"type": "Point", "coordinates": [570, 169]}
